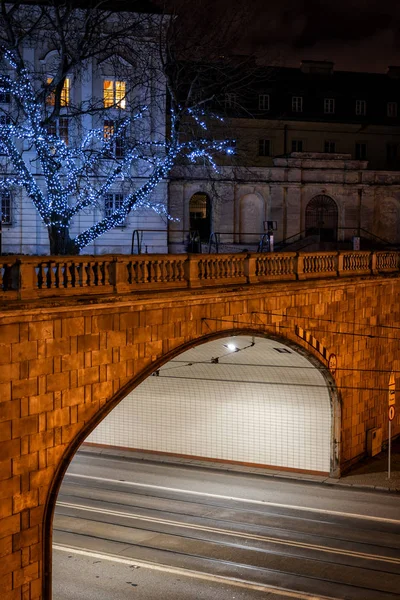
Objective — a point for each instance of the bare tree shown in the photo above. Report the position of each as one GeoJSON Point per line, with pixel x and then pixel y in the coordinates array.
{"type": "Point", "coordinates": [69, 146]}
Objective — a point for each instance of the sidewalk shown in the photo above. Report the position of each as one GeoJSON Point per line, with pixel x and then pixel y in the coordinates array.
{"type": "Point", "coordinates": [370, 473]}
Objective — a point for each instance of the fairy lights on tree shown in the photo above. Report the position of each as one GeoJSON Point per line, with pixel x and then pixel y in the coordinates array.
{"type": "Point", "coordinates": [69, 175]}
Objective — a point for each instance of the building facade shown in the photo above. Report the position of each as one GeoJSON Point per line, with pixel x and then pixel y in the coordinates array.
{"type": "Point", "coordinates": [313, 199]}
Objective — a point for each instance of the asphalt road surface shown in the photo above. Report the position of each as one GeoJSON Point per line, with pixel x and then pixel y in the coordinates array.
{"type": "Point", "coordinates": [127, 529]}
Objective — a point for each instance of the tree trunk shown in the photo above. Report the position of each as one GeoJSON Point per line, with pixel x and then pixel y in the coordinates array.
{"type": "Point", "coordinates": [61, 242]}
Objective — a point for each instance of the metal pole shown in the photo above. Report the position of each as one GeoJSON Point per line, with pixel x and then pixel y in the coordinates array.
{"type": "Point", "coordinates": [390, 447]}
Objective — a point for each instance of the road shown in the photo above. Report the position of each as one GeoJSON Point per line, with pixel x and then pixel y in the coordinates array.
{"type": "Point", "coordinates": [142, 530]}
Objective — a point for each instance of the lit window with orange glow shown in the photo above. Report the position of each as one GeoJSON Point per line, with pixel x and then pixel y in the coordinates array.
{"type": "Point", "coordinates": [65, 93]}
{"type": "Point", "coordinates": [114, 93]}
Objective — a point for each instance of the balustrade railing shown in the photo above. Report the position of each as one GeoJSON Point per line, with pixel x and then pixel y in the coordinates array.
{"type": "Point", "coordinates": [34, 277]}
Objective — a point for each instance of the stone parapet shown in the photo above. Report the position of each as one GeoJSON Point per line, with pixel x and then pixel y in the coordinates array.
{"type": "Point", "coordinates": [40, 277]}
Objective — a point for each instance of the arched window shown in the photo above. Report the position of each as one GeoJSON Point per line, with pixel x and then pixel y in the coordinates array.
{"type": "Point", "coordinates": [322, 218]}
{"type": "Point", "coordinates": [200, 215]}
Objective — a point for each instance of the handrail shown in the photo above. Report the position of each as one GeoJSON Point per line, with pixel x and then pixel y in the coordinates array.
{"type": "Point", "coordinates": [39, 276]}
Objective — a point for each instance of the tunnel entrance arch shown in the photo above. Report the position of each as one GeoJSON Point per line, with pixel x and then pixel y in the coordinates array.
{"type": "Point", "coordinates": [307, 368]}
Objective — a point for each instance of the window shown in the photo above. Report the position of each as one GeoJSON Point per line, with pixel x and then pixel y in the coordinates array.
{"type": "Point", "coordinates": [264, 147]}
{"type": "Point", "coordinates": [263, 101]}
{"type": "Point", "coordinates": [117, 142]}
{"type": "Point", "coordinates": [297, 145]}
{"type": "Point", "coordinates": [4, 120]}
{"type": "Point", "coordinates": [5, 97]}
{"type": "Point", "coordinates": [329, 146]}
{"type": "Point", "coordinates": [361, 151]}
{"type": "Point", "coordinates": [230, 100]}
{"type": "Point", "coordinates": [6, 205]}
{"type": "Point", "coordinates": [59, 128]}
{"type": "Point", "coordinates": [391, 152]}
{"type": "Point", "coordinates": [297, 103]}
{"type": "Point", "coordinates": [65, 93]}
{"type": "Point", "coordinates": [361, 107]}
{"type": "Point", "coordinates": [329, 106]}
{"type": "Point", "coordinates": [114, 94]}
{"type": "Point", "coordinates": [112, 203]}
{"type": "Point", "coordinates": [392, 109]}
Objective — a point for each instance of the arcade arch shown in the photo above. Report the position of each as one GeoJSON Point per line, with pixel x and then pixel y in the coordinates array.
{"type": "Point", "coordinates": [322, 218]}
{"type": "Point", "coordinates": [251, 218]}
{"type": "Point", "coordinates": [200, 215]}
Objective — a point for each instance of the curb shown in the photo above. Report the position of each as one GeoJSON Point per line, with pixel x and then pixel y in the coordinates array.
{"type": "Point", "coordinates": [293, 477]}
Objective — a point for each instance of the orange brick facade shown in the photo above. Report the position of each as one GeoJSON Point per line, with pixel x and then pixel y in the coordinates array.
{"type": "Point", "coordinates": [65, 363]}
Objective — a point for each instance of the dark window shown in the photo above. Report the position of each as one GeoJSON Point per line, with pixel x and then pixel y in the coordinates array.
{"type": "Point", "coordinates": [297, 145]}
{"type": "Point", "coordinates": [361, 107]}
{"type": "Point", "coordinates": [263, 101]}
{"type": "Point", "coordinates": [329, 106]}
{"type": "Point", "coordinates": [6, 207]}
{"type": "Point", "coordinates": [264, 147]}
{"type": "Point", "coordinates": [391, 152]}
{"type": "Point", "coordinates": [117, 141]}
{"type": "Point", "coordinates": [297, 103]}
{"type": "Point", "coordinates": [361, 151]}
{"type": "Point", "coordinates": [231, 100]}
{"type": "Point", "coordinates": [112, 203]}
{"type": "Point", "coordinates": [392, 109]}
{"type": "Point", "coordinates": [329, 146]}
{"type": "Point", "coordinates": [5, 97]}
{"type": "Point", "coordinates": [59, 128]}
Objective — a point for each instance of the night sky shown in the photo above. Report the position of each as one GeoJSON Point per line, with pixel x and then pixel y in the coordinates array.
{"type": "Point", "coordinates": [354, 34]}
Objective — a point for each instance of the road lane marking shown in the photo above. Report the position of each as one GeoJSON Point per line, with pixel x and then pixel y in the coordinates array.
{"type": "Point", "coordinates": [227, 532]}
{"type": "Point", "coordinates": [321, 511]}
{"type": "Point", "coordinates": [233, 581]}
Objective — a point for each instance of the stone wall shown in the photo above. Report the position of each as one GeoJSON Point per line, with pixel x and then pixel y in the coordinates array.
{"type": "Point", "coordinates": [66, 361]}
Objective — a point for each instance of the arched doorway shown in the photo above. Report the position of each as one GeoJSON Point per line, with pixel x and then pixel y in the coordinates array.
{"type": "Point", "coordinates": [251, 218]}
{"type": "Point", "coordinates": [200, 215]}
{"type": "Point", "coordinates": [234, 400]}
{"type": "Point", "coordinates": [322, 218]}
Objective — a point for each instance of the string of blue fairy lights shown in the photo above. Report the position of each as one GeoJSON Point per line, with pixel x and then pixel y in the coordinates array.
{"type": "Point", "coordinates": [72, 175]}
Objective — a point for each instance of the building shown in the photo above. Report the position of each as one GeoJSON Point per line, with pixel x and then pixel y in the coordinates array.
{"type": "Point", "coordinates": [88, 109]}
{"type": "Point", "coordinates": [317, 151]}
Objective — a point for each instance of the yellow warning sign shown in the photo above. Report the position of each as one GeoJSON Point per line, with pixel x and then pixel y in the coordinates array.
{"type": "Point", "coordinates": [392, 389]}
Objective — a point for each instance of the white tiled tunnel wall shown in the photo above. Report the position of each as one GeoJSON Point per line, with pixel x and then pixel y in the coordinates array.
{"type": "Point", "coordinates": [255, 406]}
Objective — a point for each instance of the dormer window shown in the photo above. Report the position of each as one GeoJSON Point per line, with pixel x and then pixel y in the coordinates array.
{"type": "Point", "coordinates": [392, 109]}
{"type": "Point", "coordinates": [263, 101]}
{"type": "Point", "coordinates": [329, 106]}
{"type": "Point", "coordinates": [230, 100]}
{"type": "Point", "coordinates": [361, 108]}
{"type": "Point", "coordinates": [114, 94]}
{"type": "Point", "coordinates": [65, 93]}
{"type": "Point", "coordinates": [297, 103]}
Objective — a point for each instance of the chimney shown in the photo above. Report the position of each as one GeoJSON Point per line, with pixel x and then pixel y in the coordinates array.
{"type": "Point", "coordinates": [393, 71]}
{"type": "Point", "coordinates": [324, 67]}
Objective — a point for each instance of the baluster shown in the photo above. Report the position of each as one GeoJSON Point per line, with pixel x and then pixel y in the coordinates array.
{"type": "Point", "coordinates": [51, 280]}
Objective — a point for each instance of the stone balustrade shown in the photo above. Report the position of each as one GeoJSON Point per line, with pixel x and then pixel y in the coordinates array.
{"type": "Point", "coordinates": [26, 277]}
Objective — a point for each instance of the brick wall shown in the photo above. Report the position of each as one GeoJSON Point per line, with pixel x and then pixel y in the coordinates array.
{"type": "Point", "coordinates": [65, 363]}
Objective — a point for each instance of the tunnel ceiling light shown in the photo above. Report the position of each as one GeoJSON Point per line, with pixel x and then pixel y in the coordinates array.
{"type": "Point", "coordinates": [231, 347]}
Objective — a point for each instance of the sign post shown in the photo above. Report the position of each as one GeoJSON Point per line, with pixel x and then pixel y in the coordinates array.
{"type": "Point", "coordinates": [391, 414]}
